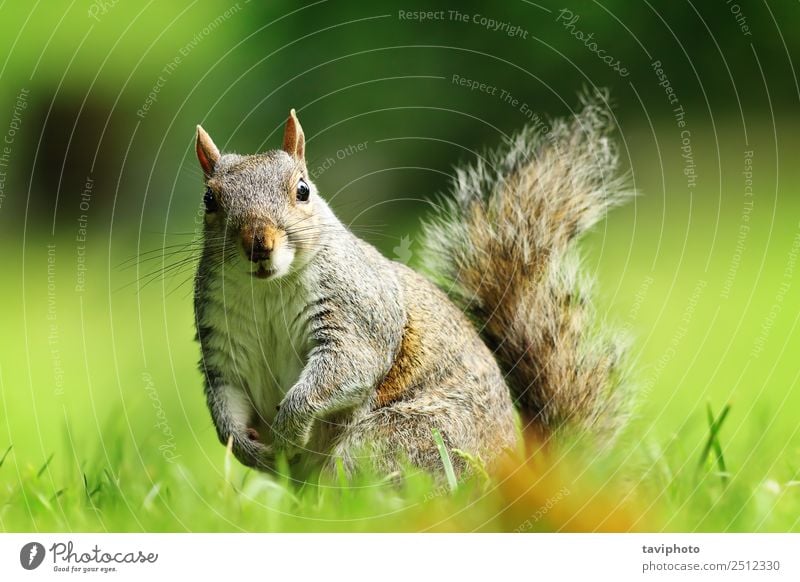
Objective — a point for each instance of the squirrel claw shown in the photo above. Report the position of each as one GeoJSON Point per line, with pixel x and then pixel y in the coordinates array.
{"type": "Point", "coordinates": [266, 459]}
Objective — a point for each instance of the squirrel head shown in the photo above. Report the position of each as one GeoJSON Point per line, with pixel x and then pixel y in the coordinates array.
{"type": "Point", "coordinates": [262, 212]}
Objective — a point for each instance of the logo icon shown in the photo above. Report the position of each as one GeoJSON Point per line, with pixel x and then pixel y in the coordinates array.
{"type": "Point", "coordinates": [31, 555]}
{"type": "Point", "coordinates": [403, 252]}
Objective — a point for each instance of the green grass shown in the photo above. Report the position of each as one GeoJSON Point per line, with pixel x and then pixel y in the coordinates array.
{"type": "Point", "coordinates": [103, 425]}
{"type": "Point", "coordinates": [126, 444]}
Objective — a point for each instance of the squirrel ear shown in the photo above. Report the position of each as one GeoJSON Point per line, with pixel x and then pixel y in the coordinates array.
{"type": "Point", "coordinates": [207, 152]}
{"type": "Point", "coordinates": [294, 140]}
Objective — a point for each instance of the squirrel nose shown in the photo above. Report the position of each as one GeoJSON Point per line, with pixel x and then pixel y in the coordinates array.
{"type": "Point", "coordinates": [258, 252]}
{"type": "Point", "coordinates": [257, 245]}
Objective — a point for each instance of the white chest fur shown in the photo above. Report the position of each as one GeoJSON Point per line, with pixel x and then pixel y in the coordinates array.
{"type": "Point", "coordinates": [265, 338]}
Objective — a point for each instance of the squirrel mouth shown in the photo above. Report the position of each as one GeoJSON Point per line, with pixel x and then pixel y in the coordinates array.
{"type": "Point", "coordinates": [262, 272]}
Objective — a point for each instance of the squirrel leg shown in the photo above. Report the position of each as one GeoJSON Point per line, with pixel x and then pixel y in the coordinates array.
{"type": "Point", "coordinates": [232, 411]}
{"type": "Point", "coordinates": [389, 439]}
{"type": "Point", "coordinates": [329, 383]}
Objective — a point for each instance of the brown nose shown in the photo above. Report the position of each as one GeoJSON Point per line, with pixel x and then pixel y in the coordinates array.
{"type": "Point", "coordinates": [258, 242]}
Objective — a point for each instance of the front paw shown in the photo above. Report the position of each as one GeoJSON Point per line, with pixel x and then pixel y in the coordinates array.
{"type": "Point", "coordinates": [291, 431]}
{"type": "Point", "coordinates": [251, 452]}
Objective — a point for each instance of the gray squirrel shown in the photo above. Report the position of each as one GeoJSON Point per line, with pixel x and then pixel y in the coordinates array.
{"type": "Point", "coordinates": [317, 348]}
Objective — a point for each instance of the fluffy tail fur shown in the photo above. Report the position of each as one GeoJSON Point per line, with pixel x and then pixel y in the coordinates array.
{"type": "Point", "coordinates": [505, 244]}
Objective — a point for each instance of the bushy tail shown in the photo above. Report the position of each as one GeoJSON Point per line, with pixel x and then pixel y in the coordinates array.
{"type": "Point", "coordinates": [504, 247]}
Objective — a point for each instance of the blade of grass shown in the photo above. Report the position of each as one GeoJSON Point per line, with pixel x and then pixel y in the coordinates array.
{"type": "Point", "coordinates": [713, 441]}
{"type": "Point", "coordinates": [475, 465]}
{"type": "Point", "coordinates": [341, 475]}
{"type": "Point", "coordinates": [147, 504]}
{"type": "Point", "coordinates": [227, 461]}
{"type": "Point", "coordinates": [448, 464]}
{"type": "Point", "coordinates": [717, 444]}
{"type": "Point", "coordinates": [93, 492]}
{"type": "Point", "coordinates": [111, 478]}
{"type": "Point", "coordinates": [46, 464]}
{"type": "Point", "coordinates": [3, 458]}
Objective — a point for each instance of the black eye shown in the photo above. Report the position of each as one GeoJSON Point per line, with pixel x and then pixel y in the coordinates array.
{"type": "Point", "coordinates": [210, 201]}
{"type": "Point", "coordinates": [303, 191]}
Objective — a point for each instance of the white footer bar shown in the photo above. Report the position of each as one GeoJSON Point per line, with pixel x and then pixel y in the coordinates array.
{"type": "Point", "coordinates": [353, 557]}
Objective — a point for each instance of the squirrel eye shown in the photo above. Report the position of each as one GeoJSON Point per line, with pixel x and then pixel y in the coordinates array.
{"type": "Point", "coordinates": [303, 191]}
{"type": "Point", "coordinates": [210, 201]}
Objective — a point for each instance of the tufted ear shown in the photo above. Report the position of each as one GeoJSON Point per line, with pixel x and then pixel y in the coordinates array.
{"type": "Point", "coordinates": [294, 140]}
{"type": "Point", "coordinates": [207, 152]}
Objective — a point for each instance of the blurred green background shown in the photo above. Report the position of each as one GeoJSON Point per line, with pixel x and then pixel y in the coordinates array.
{"type": "Point", "coordinates": [98, 104]}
